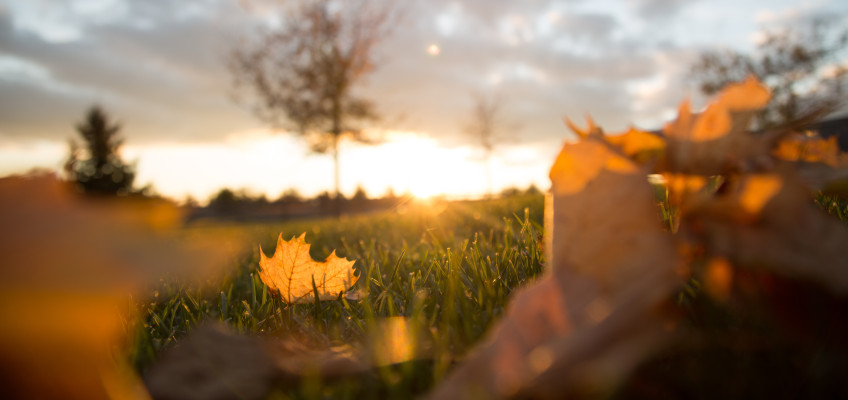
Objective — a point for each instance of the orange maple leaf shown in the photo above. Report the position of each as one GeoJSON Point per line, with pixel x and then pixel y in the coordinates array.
{"type": "Point", "coordinates": [292, 272]}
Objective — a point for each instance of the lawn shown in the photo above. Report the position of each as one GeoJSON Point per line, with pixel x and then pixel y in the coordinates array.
{"type": "Point", "coordinates": [448, 268]}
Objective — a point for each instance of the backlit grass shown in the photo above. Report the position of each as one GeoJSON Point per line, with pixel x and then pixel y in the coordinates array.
{"type": "Point", "coordinates": [447, 267]}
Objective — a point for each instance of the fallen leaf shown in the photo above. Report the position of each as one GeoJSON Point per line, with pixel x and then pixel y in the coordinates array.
{"type": "Point", "coordinates": [602, 312]}
{"type": "Point", "coordinates": [70, 269]}
{"type": "Point", "coordinates": [214, 362]}
{"type": "Point", "coordinates": [809, 147]}
{"type": "Point", "coordinates": [596, 314]}
{"type": "Point", "coordinates": [718, 140]}
{"type": "Point", "coordinates": [769, 221]}
{"type": "Point", "coordinates": [292, 272]}
{"type": "Point", "coordinates": [584, 162]}
{"type": "Point", "coordinates": [639, 145]}
{"type": "Point", "coordinates": [591, 128]}
{"type": "Point", "coordinates": [681, 187]}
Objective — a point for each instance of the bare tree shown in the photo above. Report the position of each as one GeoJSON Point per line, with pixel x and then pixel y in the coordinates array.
{"type": "Point", "coordinates": [486, 126]}
{"type": "Point", "coordinates": [301, 75]}
{"type": "Point", "coordinates": [804, 67]}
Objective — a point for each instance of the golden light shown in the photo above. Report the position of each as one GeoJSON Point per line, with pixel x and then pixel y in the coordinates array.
{"type": "Point", "coordinates": [417, 164]}
{"type": "Point", "coordinates": [433, 50]}
{"type": "Point", "coordinates": [425, 190]}
{"type": "Point", "coordinates": [405, 161]}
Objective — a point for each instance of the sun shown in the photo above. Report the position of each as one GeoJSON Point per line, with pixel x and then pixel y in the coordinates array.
{"type": "Point", "coordinates": [425, 190]}
{"type": "Point", "coordinates": [417, 164]}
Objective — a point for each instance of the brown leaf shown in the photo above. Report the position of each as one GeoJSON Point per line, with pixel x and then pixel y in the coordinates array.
{"type": "Point", "coordinates": [718, 140]}
{"type": "Point", "coordinates": [594, 316]}
{"type": "Point", "coordinates": [292, 272]}
{"type": "Point", "coordinates": [682, 186]}
{"type": "Point", "coordinates": [809, 148]}
{"type": "Point", "coordinates": [69, 267]}
{"type": "Point", "coordinates": [769, 221]}
{"type": "Point", "coordinates": [639, 145]}
{"type": "Point", "coordinates": [214, 362]}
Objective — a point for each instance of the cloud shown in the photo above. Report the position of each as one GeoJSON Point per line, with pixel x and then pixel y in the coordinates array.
{"type": "Point", "coordinates": [159, 66]}
{"type": "Point", "coordinates": [573, 64]}
{"type": "Point", "coordinates": [659, 9]}
{"type": "Point", "coordinates": [166, 75]}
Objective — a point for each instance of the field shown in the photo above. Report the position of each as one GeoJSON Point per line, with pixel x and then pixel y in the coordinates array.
{"type": "Point", "coordinates": [447, 268]}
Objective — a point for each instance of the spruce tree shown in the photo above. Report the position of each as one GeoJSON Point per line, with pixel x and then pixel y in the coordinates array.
{"type": "Point", "coordinates": [98, 168]}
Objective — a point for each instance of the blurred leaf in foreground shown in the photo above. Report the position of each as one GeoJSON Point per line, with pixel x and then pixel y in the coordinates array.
{"type": "Point", "coordinates": [214, 362]}
{"type": "Point", "coordinates": [69, 269]}
{"type": "Point", "coordinates": [602, 323]}
{"type": "Point", "coordinates": [596, 314]}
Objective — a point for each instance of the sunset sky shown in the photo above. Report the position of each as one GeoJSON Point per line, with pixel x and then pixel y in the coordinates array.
{"type": "Point", "coordinates": [159, 67]}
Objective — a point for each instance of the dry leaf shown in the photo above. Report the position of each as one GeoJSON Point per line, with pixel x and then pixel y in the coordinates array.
{"type": "Point", "coordinates": [599, 313]}
{"type": "Point", "coordinates": [69, 267]}
{"type": "Point", "coordinates": [718, 140]}
{"type": "Point", "coordinates": [769, 221]}
{"type": "Point", "coordinates": [595, 316]}
{"type": "Point", "coordinates": [292, 272]}
{"type": "Point", "coordinates": [591, 128]}
{"type": "Point", "coordinates": [214, 362]}
{"type": "Point", "coordinates": [682, 186]}
{"type": "Point", "coordinates": [809, 147]}
{"type": "Point", "coordinates": [639, 145]}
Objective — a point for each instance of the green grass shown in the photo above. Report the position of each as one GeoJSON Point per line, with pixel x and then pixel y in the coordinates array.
{"type": "Point", "coordinates": [448, 267]}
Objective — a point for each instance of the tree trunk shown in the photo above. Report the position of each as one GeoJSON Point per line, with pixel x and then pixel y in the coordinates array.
{"type": "Point", "coordinates": [490, 190]}
{"type": "Point", "coordinates": [337, 201]}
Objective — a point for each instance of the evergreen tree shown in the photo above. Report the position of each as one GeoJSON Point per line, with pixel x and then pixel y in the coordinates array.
{"type": "Point", "coordinates": [98, 168]}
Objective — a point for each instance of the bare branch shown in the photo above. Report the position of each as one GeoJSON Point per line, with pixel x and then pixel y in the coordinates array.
{"type": "Point", "coordinates": [804, 67]}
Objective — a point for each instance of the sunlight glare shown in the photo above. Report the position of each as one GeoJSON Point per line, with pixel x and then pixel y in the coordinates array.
{"type": "Point", "coordinates": [264, 162]}
{"type": "Point", "coordinates": [419, 165]}
{"type": "Point", "coordinates": [424, 190]}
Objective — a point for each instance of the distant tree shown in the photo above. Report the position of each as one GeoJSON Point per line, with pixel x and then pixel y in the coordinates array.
{"type": "Point", "coordinates": [510, 192]}
{"type": "Point", "coordinates": [805, 68]}
{"type": "Point", "coordinates": [190, 202]}
{"type": "Point", "coordinates": [486, 126]}
{"type": "Point", "coordinates": [98, 168]}
{"type": "Point", "coordinates": [290, 196]}
{"type": "Point", "coordinates": [301, 75]}
{"type": "Point", "coordinates": [532, 190]}
{"type": "Point", "coordinates": [360, 196]}
{"type": "Point", "coordinates": [225, 200]}
{"type": "Point", "coordinates": [324, 201]}
{"type": "Point", "coordinates": [260, 199]}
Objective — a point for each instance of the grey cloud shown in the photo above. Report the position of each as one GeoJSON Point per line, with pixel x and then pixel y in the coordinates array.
{"type": "Point", "coordinates": [169, 79]}
{"type": "Point", "coordinates": [659, 9]}
{"type": "Point", "coordinates": [436, 91]}
{"type": "Point", "coordinates": [161, 69]}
